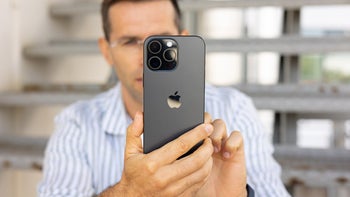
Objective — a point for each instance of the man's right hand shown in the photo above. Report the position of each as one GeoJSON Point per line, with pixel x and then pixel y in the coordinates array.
{"type": "Point", "coordinates": [159, 173]}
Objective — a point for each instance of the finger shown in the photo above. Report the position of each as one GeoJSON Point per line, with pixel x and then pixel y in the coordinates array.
{"type": "Point", "coordinates": [133, 136]}
{"type": "Point", "coordinates": [193, 182]}
{"type": "Point", "coordinates": [193, 190]}
{"type": "Point", "coordinates": [187, 165]}
{"type": "Point", "coordinates": [219, 134]}
{"type": "Point", "coordinates": [181, 145]}
{"type": "Point", "coordinates": [233, 146]}
{"type": "Point", "coordinates": [207, 117]}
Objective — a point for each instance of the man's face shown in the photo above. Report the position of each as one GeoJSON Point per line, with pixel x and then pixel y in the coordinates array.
{"type": "Point", "coordinates": [132, 21]}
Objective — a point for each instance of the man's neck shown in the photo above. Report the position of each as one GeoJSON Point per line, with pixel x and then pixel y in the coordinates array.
{"type": "Point", "coordinates": [131, 104]}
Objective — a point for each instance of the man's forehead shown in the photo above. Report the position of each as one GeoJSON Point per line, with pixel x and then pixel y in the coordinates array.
{"type": "Point", "coordinates": [126, 5]}
{"type": "Point", "coordinates": [138, 15]}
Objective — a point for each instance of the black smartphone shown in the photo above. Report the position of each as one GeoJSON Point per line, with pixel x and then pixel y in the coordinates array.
{"type": "Point", "coordinates": [174, 85]}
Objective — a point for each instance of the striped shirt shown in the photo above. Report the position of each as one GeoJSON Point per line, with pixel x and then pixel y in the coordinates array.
{"type": "Point", "coordinates": [85, 154]}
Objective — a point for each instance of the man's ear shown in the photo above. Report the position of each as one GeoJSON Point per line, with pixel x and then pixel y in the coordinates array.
{"type": "Point", "coordinates": [105, 50]}
{"type": "Point", "coordinates": [184, 32]}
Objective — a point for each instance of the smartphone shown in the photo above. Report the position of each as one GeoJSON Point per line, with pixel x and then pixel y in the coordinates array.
{"type": "Point", "coordinates": [174, 85]}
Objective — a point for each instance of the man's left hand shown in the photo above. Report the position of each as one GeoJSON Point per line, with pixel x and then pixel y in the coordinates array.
{"type": "Point", "coordinates": [228, 176]}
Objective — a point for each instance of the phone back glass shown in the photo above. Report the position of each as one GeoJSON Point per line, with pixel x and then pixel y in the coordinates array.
{"type": "Point", "coordinates": [162, 123]}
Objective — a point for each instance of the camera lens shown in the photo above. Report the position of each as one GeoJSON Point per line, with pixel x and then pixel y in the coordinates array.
{"type": "Point", "coordinates": [169, 55]}
{"type": "Point", "coordinates": [154, 63]}
{"type": "Point", "coordinates": [155, 47]}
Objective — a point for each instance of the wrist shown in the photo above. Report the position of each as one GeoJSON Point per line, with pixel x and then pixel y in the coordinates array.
{"type": "Point", "coordinates": [115, 190]}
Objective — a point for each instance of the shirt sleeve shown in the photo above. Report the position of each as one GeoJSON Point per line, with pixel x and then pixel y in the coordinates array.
{"type": "Point", "coordinates": [66, 171]}
{"type": "Point", "coordinates": [264, 173]}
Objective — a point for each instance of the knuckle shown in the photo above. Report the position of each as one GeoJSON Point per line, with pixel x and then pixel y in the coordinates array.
{"type": "Point", "coordinates": [170, 192]}
{"type": "Point", "coordinates": [182, 145]}
{"type": "Point", "coordinates": [198, 162]}
{"type": "Point", "coordinates": [220, 125]}
{"type": "Point", "coordinates": [159, 183]}
{"type": "Point", "coordinates": [208, 142]}
{"type": "Point", "coordinates": [216, 139]}
{"type": "Point", "coordinates": [204, 155]}
{"type": "Point", "coordinates": [187, 184]}
{"type": "Point", "coordinates": [151, 167]}
{"type": "Point", "coordinates": [199, 133]}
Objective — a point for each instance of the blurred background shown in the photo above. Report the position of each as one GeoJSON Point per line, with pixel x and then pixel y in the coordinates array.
{"type": "Point", "coordinates": [291, 57]}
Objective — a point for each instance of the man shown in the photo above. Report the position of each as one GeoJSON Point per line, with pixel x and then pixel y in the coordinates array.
{"type": "Point", "coordinates": [97, 147]}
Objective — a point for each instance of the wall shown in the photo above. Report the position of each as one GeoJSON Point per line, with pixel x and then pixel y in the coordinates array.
{"type": "Point", "coordinates": [25, 23]}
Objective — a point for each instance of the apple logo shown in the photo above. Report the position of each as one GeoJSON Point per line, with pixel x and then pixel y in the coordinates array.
{"type": "Point", "coordinates": [174, 101]}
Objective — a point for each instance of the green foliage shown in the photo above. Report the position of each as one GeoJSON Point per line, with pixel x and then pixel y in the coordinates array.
{"type": "Point", "coordinates": [335, 76]}
{"type": "Point", "coordinates": [312, 71]}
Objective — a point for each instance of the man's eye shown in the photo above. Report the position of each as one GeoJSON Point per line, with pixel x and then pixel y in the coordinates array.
{"type": "Point", "coordinates": [130, 42]}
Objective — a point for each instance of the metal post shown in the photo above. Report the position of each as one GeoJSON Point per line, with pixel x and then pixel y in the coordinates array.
{"type": "Point", "coordinates": [332, 190]}
{"type": "Point", "coordinates": [190, 21]}
{"type": "Point", "coordinates": [289, 66]}
{"type": "Point", "coordinates": [339, 133]}
{"type": "Point", "coordinates": [285, 123]}
{"type": "Point", "coordinates": [244, 55]}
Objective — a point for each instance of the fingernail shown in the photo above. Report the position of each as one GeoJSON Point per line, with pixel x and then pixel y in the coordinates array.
{"type": "Point", "coordinates": [227, 155]}
{"type": "Point", "coordinates": [208, 128]}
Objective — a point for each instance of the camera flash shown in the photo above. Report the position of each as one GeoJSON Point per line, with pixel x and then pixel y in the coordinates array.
{"type": "Point", "coordinates": [169, 44]}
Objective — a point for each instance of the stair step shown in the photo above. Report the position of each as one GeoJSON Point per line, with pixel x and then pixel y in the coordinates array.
{"type": "Point", "coordinates": [21, 152]}
{"type": "Point", "coordinates": [316, 167]}
{"type": "Point", "coordinates": [62, 48]}
{"type": "Point", "coordinates": [23, 99]}
{"type": "Point", "coordinates": [313, 167]}
{"type": "Point", "coordinates": [284, 45]}
{"type": "Point", "coordinates": [78, 8]}
{"type": "Point", "coordinates": [302, 90]}
{"type": "Point", "coordinates": [283, 98]}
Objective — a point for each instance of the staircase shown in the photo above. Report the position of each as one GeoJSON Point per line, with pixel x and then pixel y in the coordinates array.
{"type": "Point", "coordinates": [42, 93]}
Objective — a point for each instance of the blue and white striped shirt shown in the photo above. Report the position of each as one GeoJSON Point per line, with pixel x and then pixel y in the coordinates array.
{"type": "Point", "coordinates": [85, 154]}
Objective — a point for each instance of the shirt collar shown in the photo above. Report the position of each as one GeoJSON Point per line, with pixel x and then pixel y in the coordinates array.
{"type": "Point", "coordinates": [115, 120]}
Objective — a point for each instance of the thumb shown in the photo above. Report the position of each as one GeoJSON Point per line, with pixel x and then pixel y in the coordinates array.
{"type": "Point", "coordinates": [133, 137]}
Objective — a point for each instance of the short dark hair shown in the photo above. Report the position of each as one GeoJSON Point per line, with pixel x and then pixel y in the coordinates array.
{"type": "Point", "coordinates": [106, 4]}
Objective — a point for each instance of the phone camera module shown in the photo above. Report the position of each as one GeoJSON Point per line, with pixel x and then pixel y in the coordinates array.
{"type": "Point", "coordinates": [155, 47]}
{"type": "Point", "coordinates": [161, 54]}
